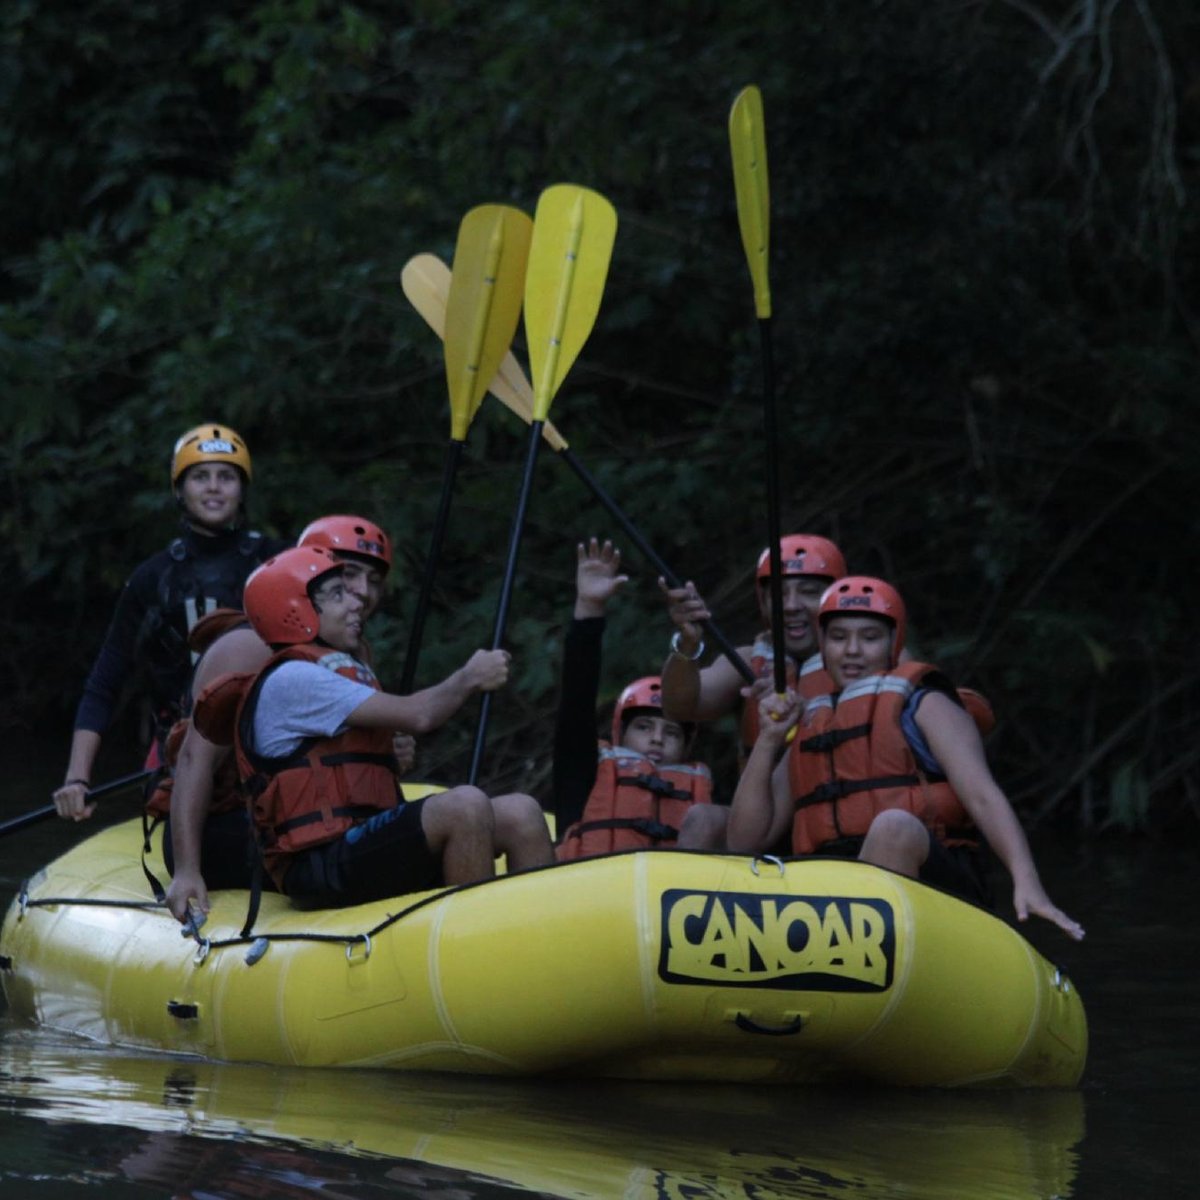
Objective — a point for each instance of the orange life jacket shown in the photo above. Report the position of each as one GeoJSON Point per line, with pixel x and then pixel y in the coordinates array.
{"type": "Point", "coordinates": [225, 793]}
{"type": "Point", "coordinates": [814, 680]}
{"type": "Point", "coordinates": [850, 761]}
{"type": "Point", "coordinates": [634, 803]}
{"type": "Point", "coordinates": [315, 794]}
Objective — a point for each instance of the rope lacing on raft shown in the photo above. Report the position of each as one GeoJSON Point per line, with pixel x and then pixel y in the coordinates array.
{"type": "Point", "coordinates": [259, 941]}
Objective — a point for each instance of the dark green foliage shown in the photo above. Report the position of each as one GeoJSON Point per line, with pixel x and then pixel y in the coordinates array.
{"type": "Point", "coordinates": [984, 241]}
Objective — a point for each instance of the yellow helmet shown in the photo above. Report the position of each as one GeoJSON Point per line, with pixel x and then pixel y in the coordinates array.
{"type": "Point", "coordinates": [209, 443]}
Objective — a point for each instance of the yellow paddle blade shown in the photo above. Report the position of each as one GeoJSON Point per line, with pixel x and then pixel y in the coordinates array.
{"type": "Point", "coordinates": [748, 142]}
{"type": "Point", "coordinates": [573, 234]}
{"type": "Point", "coordinates": [484, 304]}
{"type": "Point", "coordinates": [426, 282]}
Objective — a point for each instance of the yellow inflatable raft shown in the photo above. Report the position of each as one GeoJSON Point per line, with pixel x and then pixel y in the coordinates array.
{"type": "Point", "coordinates": [643, 965]}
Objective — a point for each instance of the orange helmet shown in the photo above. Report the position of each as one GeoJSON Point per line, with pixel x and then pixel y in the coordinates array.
{"type": "Point", "coordinates": [209, 443]}
{"type": "Point", "coordinates": [804, 554]}
{"type": "Point", "coordinates": [641, 693]}
{"type": "Point", "coordinates": [276, 597]}
{"type": "Point", "coordinates": [349, 535]}
{"type": "Point", "coordinates": [862, 595]}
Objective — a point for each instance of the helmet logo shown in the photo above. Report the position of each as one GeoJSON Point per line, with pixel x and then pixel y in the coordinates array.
{"type": "Point", "coordinates": [367, 546]}
{"type": "Point", "coordinates": [215, 446]}
{"type": "Point", "coordinates": [854, 602]}
{"type": "Point", "coordinates": [794, 566]}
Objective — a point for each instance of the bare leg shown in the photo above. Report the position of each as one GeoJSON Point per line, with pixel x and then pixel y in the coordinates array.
{"type": "Point", "coordinates": [458, 825]}
{"type": "Point", "coordinates": [703, 827]}
{"type": "Point", "coordinates": [896, 840]}
{"type": "Point", "coordinates": [521, 831]}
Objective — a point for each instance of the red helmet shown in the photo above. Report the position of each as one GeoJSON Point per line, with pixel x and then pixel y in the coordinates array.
{"type": "Point", "coordinates": [276, 597]}
{"type": "Point", "coordinates": [804, 554]}
{"type": "Point", "coordinates": [862, 595]}
{"type": "Point", "coordinates": [349, 535]}
{"type": "Point", "coordinates": [641, 693]}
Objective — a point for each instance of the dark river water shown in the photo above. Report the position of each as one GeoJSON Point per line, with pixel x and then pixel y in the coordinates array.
{"type": "Point", "coordinates": [82, 1121]}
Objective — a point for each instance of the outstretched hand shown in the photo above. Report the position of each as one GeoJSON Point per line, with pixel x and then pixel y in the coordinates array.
{"type": "Point", "coordinates": [597, 577]}
{"type": "Point", "coordinates": [1031, 898]}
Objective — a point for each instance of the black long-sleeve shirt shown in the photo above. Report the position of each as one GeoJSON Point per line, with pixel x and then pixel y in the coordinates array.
{"type": "Point", "coordinates": [161, 600]}
{"type": "Point", "coordinates": [575, 750]}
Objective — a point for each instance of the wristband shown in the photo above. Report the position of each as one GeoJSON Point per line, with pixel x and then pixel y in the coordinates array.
{"type": "Point", "coordinates": [82, 783]}
{"type": "Point", "coordinates": [676, 650]}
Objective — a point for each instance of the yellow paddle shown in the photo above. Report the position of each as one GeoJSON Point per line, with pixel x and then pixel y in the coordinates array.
{"type": "Point", "coordinates": [748, 145]}
{"type": "Point", "coordinates": [482, 307]}
{"type": "Point", "coordinates": [573, 234]}
{"type": "Point", "coordinates": [427, 284]}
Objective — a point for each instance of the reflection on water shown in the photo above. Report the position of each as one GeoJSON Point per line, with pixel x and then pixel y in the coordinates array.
{"type": "Point", "coordinates": [79, 1122]}
{"type": "Point", "coordinates": [593, 1140]}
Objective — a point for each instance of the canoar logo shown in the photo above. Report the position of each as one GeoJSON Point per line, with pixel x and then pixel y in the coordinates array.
{"type": "Point", "coordinates": [743, 939]}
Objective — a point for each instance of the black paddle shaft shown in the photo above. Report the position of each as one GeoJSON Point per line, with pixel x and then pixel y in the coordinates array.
{"type": "Point", "coordinates": [771, 434]}
{"type": "Point", "coordinates": [631, 531]}
{"type": "Point", "coordinates": [15, 824]}
{"type": "Point", "coordinates": [506, 587]}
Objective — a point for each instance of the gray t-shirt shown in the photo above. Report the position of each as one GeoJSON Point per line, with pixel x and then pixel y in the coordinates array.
{"type": "Point", "coordinates": [301, 700]}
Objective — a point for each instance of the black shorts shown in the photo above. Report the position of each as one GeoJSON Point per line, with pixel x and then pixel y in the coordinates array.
{"type": "Point", "coordinates": [384, 856]}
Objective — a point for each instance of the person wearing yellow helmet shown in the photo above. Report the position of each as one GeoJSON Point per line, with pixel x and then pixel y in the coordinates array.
{"type": "Point", "coordinates": [203, 568]}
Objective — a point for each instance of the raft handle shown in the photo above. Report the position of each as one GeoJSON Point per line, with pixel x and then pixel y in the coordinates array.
{"type": "Point", "coordinates": [749, 1025]}
{"type": "Point", "coordinates": [185, 1012]}
{"type": "Point", "coordinates": [770, 858]}
{"type": "Point", "coordinates": [366, 941]}
{"type": "Point", "coordinates": [1060, 981]}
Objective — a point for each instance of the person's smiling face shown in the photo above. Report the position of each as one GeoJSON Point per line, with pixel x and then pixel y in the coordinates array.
{"type": "Point", "coordinates": [854, 647]}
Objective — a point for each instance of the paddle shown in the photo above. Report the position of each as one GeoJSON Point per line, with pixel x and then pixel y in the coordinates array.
{"type": "Point", "coordinates": [427, 283]}
{"type": "Point", "coordinates": [483, 305]}
{"type": "Point", "coordinates": [747, 141]}
{"type": "Point", "coordinates": [48, 810]}
{"type": "Point", "coordinates": [573, 234]}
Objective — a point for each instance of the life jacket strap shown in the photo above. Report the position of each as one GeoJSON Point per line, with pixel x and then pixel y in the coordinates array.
{"type": "Point", "coordinates": [831, 739]}
{"type": "Point", "coordinates": [835, 789]}
{"type": "Point", "coordinates": [353, 811]}
{"type": "Point", "coordinates": [655, 830]}
{"type": "Point", "coordinates": [656, 785]}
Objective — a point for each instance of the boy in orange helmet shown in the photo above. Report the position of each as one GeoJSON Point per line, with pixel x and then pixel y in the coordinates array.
{"type": "Point", "coordinates": [887, 766]}
{"type": "Point", "coordinates": [640, 789]}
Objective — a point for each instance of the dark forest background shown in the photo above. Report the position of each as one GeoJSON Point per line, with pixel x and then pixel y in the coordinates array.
{"type": "Point", "coordinates": [984, 269]}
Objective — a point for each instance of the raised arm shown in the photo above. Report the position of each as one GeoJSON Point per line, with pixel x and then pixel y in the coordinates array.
{"type": "Point", "coordinates": [761, 812]}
